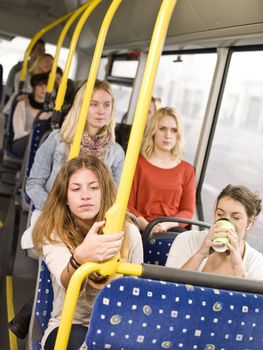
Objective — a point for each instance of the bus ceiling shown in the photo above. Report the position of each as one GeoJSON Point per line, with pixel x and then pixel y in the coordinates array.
{"type": "Point", "coordinates": [194, 24]}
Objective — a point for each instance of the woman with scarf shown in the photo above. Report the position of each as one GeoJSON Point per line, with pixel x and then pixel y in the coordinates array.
{"type": "Point", "coordinates": [98, 140]}
{"type": "Point", "coordinates": [26, 111]}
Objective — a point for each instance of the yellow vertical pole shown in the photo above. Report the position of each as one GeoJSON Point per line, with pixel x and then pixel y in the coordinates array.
{"type": "Point", "coordinates": [10, 311]}
{"type": "Point", "coordinates": [74, 150]}
{"type": "Point", "coordinates": [33, 41]}
{"type": "Point", "coordinates": [63, 85]}
{"type": "Point", "coordinates": [52, 75]}
{"type": "Point", "coordinates": [116, 214]}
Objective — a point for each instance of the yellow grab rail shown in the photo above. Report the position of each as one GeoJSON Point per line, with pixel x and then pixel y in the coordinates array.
{"type": "Point", "coordinates": [10, 311]}
{"type": "Point", "coordinates": [52, 75]}
{"type": "Point", "coordinates": [63, 85]}
{"type": "Point", "coordinates": [116, 214]}
{"type": "Point", "coordinates": [73, 290]}
{"type": "Point", "coordinates": [33, 41]}
{"type": "Point", "coordinates": [74, 150]}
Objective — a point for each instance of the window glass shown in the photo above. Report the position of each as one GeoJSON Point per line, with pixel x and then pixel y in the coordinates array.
{"type": "Point", "coordinates": [13, 51]}
{"type": "Point", "coordinates": [236, 156]}
{"type": "Point", "coordinates": [124, 69]}
{"type": "Point", "coordinates": [122, 96]}
{"type": "Point", "coordinates": [103, 68]}
{"type": "Point", "coordinates": [183, 82]}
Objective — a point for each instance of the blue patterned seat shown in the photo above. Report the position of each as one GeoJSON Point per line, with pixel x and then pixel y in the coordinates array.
{"type": "Point", "coordinates": [156, 250]}
{"type": "Point", "coordinates": [37, 132]}
{"type": "Point", "coordinates": [42, 307]}
{"type": "Point", "coordinates": [156, 247]}
{"type": "Point", "coordinates": [139, 314]}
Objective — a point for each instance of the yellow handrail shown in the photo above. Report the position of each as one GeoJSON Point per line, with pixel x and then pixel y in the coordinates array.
{"type": "Point", "coordinates": [63, 85]}
{"type": "Point", "coordinates": [74, 150]}
{"type": "Point", "coordinates": [33, 41]}
{"type": "Point", "coordinates": [73, 290]}
{"type": "Point", "coordinates": [116, 214]}
{"type": "Point", "coordinates": [10, 311]}
{"type": "Point", "coordinates": [52, 75]}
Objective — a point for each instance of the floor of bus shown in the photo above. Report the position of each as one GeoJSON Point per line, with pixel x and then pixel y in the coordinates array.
{"type": "Point", "coordinates": [24, 277]}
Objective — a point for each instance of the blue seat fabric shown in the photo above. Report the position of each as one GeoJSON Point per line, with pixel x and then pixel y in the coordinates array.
{"type": "Point", "coordinates": [155, 251]}
{"type": "Point", "coordinates": [44, 304]}
{"type": "Point", "coordinates": [137, 314]}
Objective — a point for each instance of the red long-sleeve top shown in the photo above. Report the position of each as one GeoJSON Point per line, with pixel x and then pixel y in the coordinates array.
{"type": "Point", "coordinates": [162, 192]}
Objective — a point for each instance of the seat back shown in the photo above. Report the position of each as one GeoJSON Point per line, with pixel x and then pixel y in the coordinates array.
{"type": "Point", "coordinates": [156, 247]}
{"type": "Point", "coordinates": [135, 313]}
{"type": "Point", "coordinates": [43, 305]}
{"type": "Point", "coordinates": [156, 250]}
{"type": "Point", "coordinates": [9, 126]}
{"type": "Point", "coordinates": [38, 130]}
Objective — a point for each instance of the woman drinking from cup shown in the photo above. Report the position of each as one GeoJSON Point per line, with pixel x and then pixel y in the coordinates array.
{"type": "Point", "coordinates": [198, 250]}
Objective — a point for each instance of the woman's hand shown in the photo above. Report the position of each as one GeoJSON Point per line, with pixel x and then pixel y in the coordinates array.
{"type": "Point", "coordinates": [96, 247]}
{"type": "Point", "coordinates": [235, 253]}
{"type": "Point", "coordinates": [215, 232]}
{"type": "Point", "coordinates": [164, 226]}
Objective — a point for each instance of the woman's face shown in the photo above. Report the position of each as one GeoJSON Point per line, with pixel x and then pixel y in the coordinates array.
{"type": "Point", "coordinates": [100, 109]}
{"type": "Point", "coordinates": [39, 92]}
{"type": "Point", "coordinates": [45, 65]}
{"type": "Point", "coordinates": [84, 195]}
{"type": "Point", "coordinates": [234, 211]}
{"type": "Point", "coordinates": [165, 136]}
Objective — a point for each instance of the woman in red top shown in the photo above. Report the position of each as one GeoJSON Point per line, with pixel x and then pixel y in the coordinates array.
{"type": "Point", "coordinates": [163, 184]}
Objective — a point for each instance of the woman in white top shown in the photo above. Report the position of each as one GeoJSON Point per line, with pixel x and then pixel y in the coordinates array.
{"type": "Point", "coordinates": [193, 250]}
{"type": "Point", "coordinates": [68, 234]}
{"type": "Point", "coordinates": [26, 111]}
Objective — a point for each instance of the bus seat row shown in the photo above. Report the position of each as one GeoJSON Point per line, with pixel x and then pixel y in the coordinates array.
{"type": "Point", "coordinates": [42, 307]}
{"type": "Point", "coordinates": [138, 313]}
{"type": "Point", "coordinates": [135, 313]}
{"type": "Point", "coordinates": [157, 246]}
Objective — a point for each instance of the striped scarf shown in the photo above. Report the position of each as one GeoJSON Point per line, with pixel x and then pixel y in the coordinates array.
{"type": "Point", "coordinates": [98, 147]}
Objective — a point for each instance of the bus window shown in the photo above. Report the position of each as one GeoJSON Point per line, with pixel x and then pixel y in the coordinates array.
{"type": "Point", "coordinates": [236, 155]}
{"type": "Point", "coordinates": [102, 72]}
{"type": "Point", "coordinates": [125, 69]}
{"type": "Point", "coordinates": [121, 76]}
{"type": "Point", "coordinates": [183, 82]}
{"type": "Point", "coordinates": [12, 51]}
{"type": "Point", "coordinates": [122, 96]}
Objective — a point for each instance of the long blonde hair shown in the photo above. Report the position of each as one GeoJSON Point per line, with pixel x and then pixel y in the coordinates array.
{"type": "Point", "coordinates": [151, 128]}
{"type": "Point", "coordinates": [70, 123]}
{"type": "Point", "coordinates": [56, 216]}
{"type": "Point", "coordinates": [36, 67]}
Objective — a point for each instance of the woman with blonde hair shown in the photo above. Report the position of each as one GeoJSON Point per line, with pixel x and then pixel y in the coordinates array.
{"type": "Point", "coordinates": [42, 64]}
{"type": "Point", "coordinates": [97, 139]}
{"type": "Point", "coordinates": [68, 234]}
{"type": "Point", "coordinates": [164, 184]}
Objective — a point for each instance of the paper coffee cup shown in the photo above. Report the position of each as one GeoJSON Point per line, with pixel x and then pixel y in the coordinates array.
{"type": "Point", "coordinates": [220, 243]}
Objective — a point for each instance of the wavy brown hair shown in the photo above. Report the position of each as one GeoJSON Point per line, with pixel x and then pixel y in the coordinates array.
{"type": "Point", "coordinates": [242, 194]}
{"type": "Point", "coordinates": [56, 217]}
